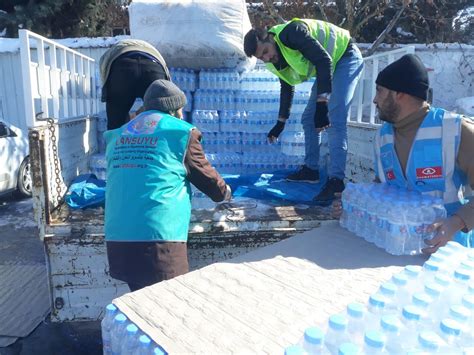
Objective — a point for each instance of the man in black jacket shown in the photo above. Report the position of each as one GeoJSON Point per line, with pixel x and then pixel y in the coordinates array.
{"type": "Point", "coordinates": [296, 51]}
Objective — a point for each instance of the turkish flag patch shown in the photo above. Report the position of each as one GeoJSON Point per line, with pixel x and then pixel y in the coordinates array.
{"type": "Point", "coordinates": [390, 175]}
{"type": "Point", "coordinates": [432, 172]}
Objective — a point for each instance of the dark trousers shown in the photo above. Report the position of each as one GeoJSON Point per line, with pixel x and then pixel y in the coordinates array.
{"type": "Point", "coordinates": [141, 264]}
{"type": "Point", "coordinates": [128, 79]}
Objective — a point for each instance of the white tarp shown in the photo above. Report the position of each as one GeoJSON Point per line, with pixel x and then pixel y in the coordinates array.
{"type": "Point", "coordinates": [194, 33]}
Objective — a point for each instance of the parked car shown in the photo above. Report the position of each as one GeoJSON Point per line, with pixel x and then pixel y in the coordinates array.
{"type": "Point", "coordinates": [14, 161]}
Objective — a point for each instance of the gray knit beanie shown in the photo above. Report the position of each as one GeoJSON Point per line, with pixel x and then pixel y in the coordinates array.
{"type": "Point", "coordinates": [163, 95]}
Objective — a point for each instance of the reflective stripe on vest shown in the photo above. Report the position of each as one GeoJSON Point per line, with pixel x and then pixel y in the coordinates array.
{"type": "Point", "coordinates": [332, 38]}
{"type": "Point", "coordinates": [430, 167]}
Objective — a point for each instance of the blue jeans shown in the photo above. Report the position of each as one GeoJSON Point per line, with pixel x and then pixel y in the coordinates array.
{"type": "Point", "coordinates": [344, 82]}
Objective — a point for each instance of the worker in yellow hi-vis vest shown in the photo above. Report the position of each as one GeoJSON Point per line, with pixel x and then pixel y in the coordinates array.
{"type": "Point", "coordinates": [297, 51]}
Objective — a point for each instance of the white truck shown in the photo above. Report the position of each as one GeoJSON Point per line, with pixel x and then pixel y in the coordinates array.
{"type": "Point", "coordinates": [61, 104]}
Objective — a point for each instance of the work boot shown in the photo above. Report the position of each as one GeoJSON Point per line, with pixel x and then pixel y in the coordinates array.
{"type": "Point", "coordinates": [305, 174]}
{"type": "Point", "coordinates": [332, 186]}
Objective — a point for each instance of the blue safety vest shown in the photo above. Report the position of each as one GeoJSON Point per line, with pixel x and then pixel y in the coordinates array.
{"type": "Point", "coordinates": [431, 166]}
{"type": "Point", "coordinates": [148, 197]}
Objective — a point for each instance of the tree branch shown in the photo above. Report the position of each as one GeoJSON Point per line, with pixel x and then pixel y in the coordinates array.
{"type": "Point", "coordinates": [384, 33]}
{"type": "Point", "coordinates": [272, 11]}
{"type": "Point", "coordinates": [321, 8]}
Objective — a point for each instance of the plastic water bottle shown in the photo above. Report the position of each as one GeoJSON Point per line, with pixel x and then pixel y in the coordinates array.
{"type": "Point", "coordinates": [389, 291]}
{"type": "Point", "coordinates": [371, 221]}
{"type": "Point", "coordinates": [391, 327]}
{"type": "Point", "coordinates": [374, 343]}
{"type": "Point", "coordinates": [118, 332]}
{"type": "Point", "coordinates": [349, 349]}
{"type": "Point", "coordinates": [413, 273]}
{"type": "Point", "coordinates": [430, 268]}
{"type": "Point", "coordinates": [355, 326]}
{"type": "Point", "coordinates": [130, 341]}
{"type": "Point", "coordinates": [395, 241]}
{"type": "Point", "coordinates": [106, 325]}
{"type": "Point", "coordinates": [295, 350]}
{"type": "Point", "coordinates": [458, 287]}
{"type": "Point", "coordinates": [313, 341]}
{"type": "Point", "coordinates": [403, 292]}
{"type": "Point", "coordinates": [429, 343]}
{"type": "Point", "coordinates": [144, 346]}
{"type": "Point", "coordinates": [450, 331]}
{"type": "Point", "coordinates": [381, 223]}
{"type": "Point", "coordinates": [346, 200]}
{"type": "Point", "coordinates": [376, 308]}
{"type": "Point", "coordinates": [336, 333]}
{"type": "Point", "coordinates": [411, 319]}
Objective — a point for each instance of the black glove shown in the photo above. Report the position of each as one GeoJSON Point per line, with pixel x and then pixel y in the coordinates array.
{"type": "Point", "coordinates": [277, 129]}
{"type": "Point", "coordinates": [321, 118]}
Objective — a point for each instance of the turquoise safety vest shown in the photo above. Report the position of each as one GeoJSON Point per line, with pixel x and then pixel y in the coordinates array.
{"type": "Point", "coordinates": [431, 166]}
{"type": "Point", "coordinates": [148, 197]}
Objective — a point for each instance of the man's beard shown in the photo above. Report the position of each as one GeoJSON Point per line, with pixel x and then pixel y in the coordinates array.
{"type": "Point", "coordinates": [389, 112]}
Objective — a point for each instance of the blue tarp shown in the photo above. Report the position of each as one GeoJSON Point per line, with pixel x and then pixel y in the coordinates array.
{"type": "Point", "coordinates": [88, 191]}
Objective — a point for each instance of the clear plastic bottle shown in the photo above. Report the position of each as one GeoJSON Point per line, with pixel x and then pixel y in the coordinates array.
{"type": "Point", "coordinates": [118, 332]}
{"type": "Point", "coordinates": [130, 340]}
{"type": "Point", "coordinates": [391, 327]}
{"type": "Point", "coordinates": [450, 331]}
{"type": "Point", "coordinates": [458, 287]}
{"type": "Point", "coordinates": [144, 346]}
{"type": "Point", "coordinates": [381, 221]}
{"type": "Point", "coordinates": [395, 240]}
{"type": "Point", "coordinates": [313, 341]}
{"type": "Point", "coordinates": [430, 268]}
{"type": "Point", "coordinates": [428, 343]}
{"type": "Point", "coordinates": [374, 343]}
{"type": "Point", "coordinates": [294, 350]}
{"type": "Point", "coordinates": [106, 325]}
{"type": "Point", "coordinates": [336, 333]}
{"type": "Point", "coordinates": [356, 320]}
{"type": "Point", "coordinates": [411, 319]}
{"type": "Point", "coordinates": [376, 309]}
{"type": "Point", "coordinates": [413, 273]}
{"type": "Point", "coordinates": [349, 349]}
{"type": "Point", "coordinates": [389, 291]}
{"type": "Point", "coordinates": [371, 221]}
{"type": "Point", "coordinates": [403, 292]}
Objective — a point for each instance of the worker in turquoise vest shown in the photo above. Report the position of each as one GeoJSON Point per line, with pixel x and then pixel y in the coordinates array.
{"type": "Point", "coordinates": [295, 52]}
{"type": "Point", "coordinates": [151, 162]}
{"type": "Point", "coordinates": [425, 149]}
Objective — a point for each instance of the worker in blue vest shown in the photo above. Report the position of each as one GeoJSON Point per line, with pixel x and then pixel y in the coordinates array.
{"type": "Point", "coordinates": [424, 148]}
{"type": "Point", "coordinates": [151, 162]}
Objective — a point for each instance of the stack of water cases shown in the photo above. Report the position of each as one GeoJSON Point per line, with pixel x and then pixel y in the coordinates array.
{"type": "Point", "coordinates": [394, 219]}
{"type": "Point", "coordinates": [421, 310]}
{"type": "Point", "coordinates": [121, 337]}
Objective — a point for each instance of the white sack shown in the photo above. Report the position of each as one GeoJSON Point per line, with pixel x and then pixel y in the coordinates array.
{"type": "Point", "coordinates": [194, 33]}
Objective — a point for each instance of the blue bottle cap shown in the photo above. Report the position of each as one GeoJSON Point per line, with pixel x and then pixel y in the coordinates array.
{"type": "Point", "coordinates": [400, 279]}
{"type": "Point", "coordinates": [431, 266]}
{"type": "Point", "coordinates": [413, 270]}
{"type": "Point", "coordinates": [442, 279]}
{"type": "Point", "coordinates": [450, 327]}
{"type": "Point", "coordinates": [390, 323]}
{"type": "Point", "coordinates": [462, 274]}
{"type": "Point", "coordinates": [459, 313]}
{"type": "Point", "coordinates": [144, 340]}
{"type": "Point", "coordinates": [120, 318]}
{"type": "Point", "coordinates": [377, 300]}
{"type": "Point", "coordinates": [388, 288]}
{"type": "Point", "coordinates": [468, 302]}
{"type": "Point", "coordinates": [111, 308]}
{"type": "Point", "coordinates": [348, 349]}
{"type": "Point", "coordinates": [429, 340]}
{"type": "Point", "coordinates": [438, 258]}
{"type": "Point", "coordinates": [421, 299]}
{"type": "Point", "coordinates": [131, 328]}
{"type": "Point", "coordinates": [314, 335]}
{"type": "Point", "coordinates": [374, 339]}
{"type": "Point", "coordinates": [158, 351]}
{"type": "Point", "coordinates": [294, 350]}
{"type": "Point", "coordinates": [338, 322]}
{"type": "Point", "coordinates": [467, 264]}
{"type": "Point", "coordinates": [355, 310]}
{"type": "Point", "coordinates": [433, 289]}
{"type": "Point", "coordinates": [411, 312]}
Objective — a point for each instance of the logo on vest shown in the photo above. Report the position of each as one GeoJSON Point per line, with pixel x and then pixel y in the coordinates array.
{"type": "Point", "coordinates": [390, 175]}
{"type": "Point", "coordinates": [433, 172]}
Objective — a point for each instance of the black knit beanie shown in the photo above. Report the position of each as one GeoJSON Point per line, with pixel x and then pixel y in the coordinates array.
{"type": "Point", "coordinates": [408, 75]}
{"type": "Point", "coordinates": [163, 95]}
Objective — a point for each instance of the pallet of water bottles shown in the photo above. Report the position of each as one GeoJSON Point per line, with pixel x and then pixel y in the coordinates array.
{"type": "Point", "coordinates": [421, 310]}
{"type": "Point", "coordinates": [121, 337]}
{"type": "Point", "coordinates": [394, 219]}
